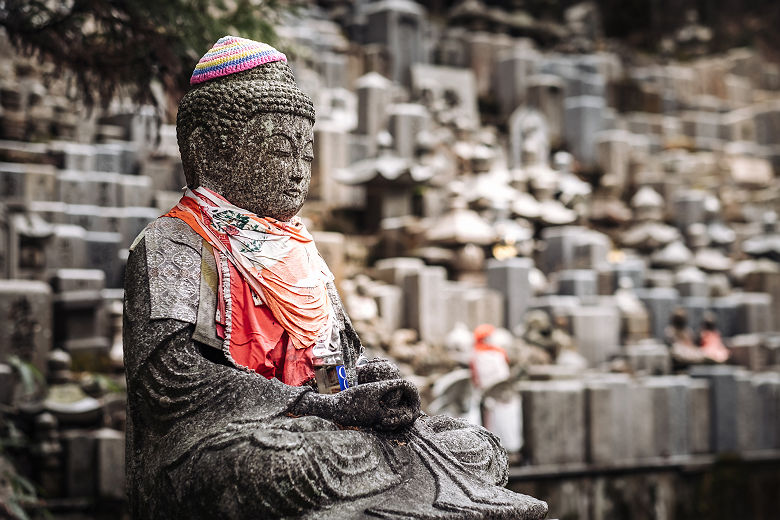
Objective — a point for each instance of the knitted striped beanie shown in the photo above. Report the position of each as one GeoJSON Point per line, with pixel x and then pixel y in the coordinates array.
{"type": "Point", "coordinates": [233, 54]}
{"type": "Point", "coordinates": [229, 88]}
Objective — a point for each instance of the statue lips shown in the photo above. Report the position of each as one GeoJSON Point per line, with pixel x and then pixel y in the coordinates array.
{"type": "Point", "coordinates": [293, 192]}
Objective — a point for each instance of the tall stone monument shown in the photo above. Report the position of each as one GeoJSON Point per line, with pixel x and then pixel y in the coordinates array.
{"type": "Point", "coordinates": [226, 303]}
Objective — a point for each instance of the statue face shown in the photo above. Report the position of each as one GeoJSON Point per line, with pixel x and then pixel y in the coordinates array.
{"type": "Point", "coordinates": [271, 171]}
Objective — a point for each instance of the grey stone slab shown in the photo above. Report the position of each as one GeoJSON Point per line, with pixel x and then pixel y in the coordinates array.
{"type": "Point", "coordinates": [749, 351]}
{"type": "Point", "coordinates": [767, 387]}
{"type": "Point", "coordinates": [135, 190]}
{"type": "Point", "coordinates": [79, 315]}
{"type": "Point", "coordinates": [108, 158]}
{"type": "Point", "coordinates": [374, 93]}
{"type": "Point", "coordinates": [660, 303]}
{"type": "Point", "coordinates": [110, 455]}
{"type": "Point", "coordinates": [631, 268]}
{"type": "Point", "coordinates": [695, 307]}
{"type": "Point", "coordinates": [26, 315]}
{"type": "Point", "coordinates": [726, 317]}
{"type": "Point", "coordinates": [510, 278]}
{"type": "Point", "coordinates": [396, 270]}
{"type": "Point", "coordinates": [649, 357]}
{"type": "Point", "coordinates": [689, 208]}
{"type": "Point", "coordinates": [90, 217]}
{"type": "Point", "coordinates": [451, 87]}
{"type": "Point", "coordinates": [405, 122]}
{"type": "Point", "coordinates": [424, 291]}
{"type": "Point", "coordinates": [561, 243]}
{"type": "Point", "coordinates": [67, 247]}
{"type": "Point", "coordinates": [596, 343]}
{"type": "Point", "coordinates": [65, 280]}
{"type": "Point", "coordinates": [399, 27]}
{"type": "Point", "coordinates": [483, 306]}
{"type": "Point", "coordinates": [609, 419]}
{"type": "Point", "coordinates": [73, 156]}
{"type": "Point", "coordinates": [591, 250]}
{"type": "Point", "coordinates": [748, 409]}
{"type": "Point", "coordinates": [511, 74]}
{"type": "Point", "coordinates": [53, 212]}
{"type": "Point", "coordinates": [577, 282]}
{"type": "Point", "coordinates": [80, 468]}
{"type": "Point", "coordinates": [754, 313]}
{"type": "Point", "coordinates": [389, 300]}
{"type": "Point", "coordinates": [456, 310]}
{"type": "Point", "coordinates": [724, 402]}
{"type": "Point", "coordinates": [103, 253]}
{"type": "Point", "coordinates": [584, 118]}
{"type": "Point", "coordinates": [643, 413]}
{"type": "Point", "coordinates": [613, 155]}
{"type": "Point", "coordinates": [545, 93]}
{"type": "Point", "coordinates": [23, 183]}
{"type": "Point", "coordinates": [555, 305]}
{"type": "Point", "coordinates": [699, 417]}
{"type": "Point", "coordinates": [671, 408]}
{"type": "Point", "coordinates": [553, 422]}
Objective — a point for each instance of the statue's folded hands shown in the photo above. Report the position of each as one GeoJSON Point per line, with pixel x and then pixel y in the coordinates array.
{"type": "Point", "coordinates": [385, 405]}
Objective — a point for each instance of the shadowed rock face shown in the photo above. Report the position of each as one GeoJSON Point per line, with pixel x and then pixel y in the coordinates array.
{"type": "Point", "coordinates": [207, 439]}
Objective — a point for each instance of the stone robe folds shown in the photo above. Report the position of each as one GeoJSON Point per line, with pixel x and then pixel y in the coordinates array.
{"type": "Point", "coordinates": [208, 440]}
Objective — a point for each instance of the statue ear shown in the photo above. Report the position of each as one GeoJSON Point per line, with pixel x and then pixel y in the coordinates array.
{"type": "Point", "coordinates": [199, 155]}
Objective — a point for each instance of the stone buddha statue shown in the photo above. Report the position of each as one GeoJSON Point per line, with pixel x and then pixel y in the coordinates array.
{"type": "Point", "coordinates": [226, 305]}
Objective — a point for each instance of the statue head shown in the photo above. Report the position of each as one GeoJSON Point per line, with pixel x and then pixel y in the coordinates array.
{"type": "Point", "coordinates": [245, 129]}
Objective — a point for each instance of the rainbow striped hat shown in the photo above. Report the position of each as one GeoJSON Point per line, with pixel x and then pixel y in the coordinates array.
{"type": "Point", "coordinates": [232, 54]}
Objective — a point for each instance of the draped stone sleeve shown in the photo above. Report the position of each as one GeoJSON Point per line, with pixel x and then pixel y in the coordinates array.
{"type": "Point", "coordinates": [176, 393]}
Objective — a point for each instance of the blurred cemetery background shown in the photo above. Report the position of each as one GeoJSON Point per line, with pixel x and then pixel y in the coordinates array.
{"type": "Point", "coordinates": [539, 209]}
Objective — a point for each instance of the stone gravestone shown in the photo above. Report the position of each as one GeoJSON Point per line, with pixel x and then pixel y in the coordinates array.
{"type": "Point", "coordinates": [583, 116]}
{"type": "Point", "coordinates": [424, 289]}
{"type": "Point", "coordinates": [511, 76]}
{"type": "Point", "coordinates": [545, 93]}
{"type": "Point", "coordinates": [451, 87]}
{"type": "Point", "coordinates": [399, 26]}
{"type": "Point", "coordinates": [671, 409]}
{"type": "Point", "coordinates": [767, 387]}
{"type": "Point", "coordinates": [609, 419]}
{"type": "Point", "coordinates": [510, 278]}
{"type": "Point", "coordinates": [553, 422]}
{"type": "Point", "coordinates": [395, 271]}
{"type": "Point", "coordinates": [596, 343]}
{"type": "Point", "coordinates": [24, 183]}
{"type": "Point", "coordinates": [406, 121]}
{"type": "Point", "coordinates": [699, 416]}
{"type": "Point", "coordinates": [561, 242]}
{"type": "Point", "coordinates": [660, 303]}
{"type": "Point", "coordinates": [374, 93]}
{"type": "Point", "coordinates": [577, 282]}
{"type": "Point", "coordinates": [724, 402]}
{"type": "Point", "coordinates": [754, 313]}
{"type": "Point", "coordinates": [26, 312]}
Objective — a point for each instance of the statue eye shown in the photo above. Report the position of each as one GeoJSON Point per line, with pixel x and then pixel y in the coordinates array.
{"type": "Point", "coordinates": [308, 152]}
{"type": "Point", "coordinates": [279, 144]}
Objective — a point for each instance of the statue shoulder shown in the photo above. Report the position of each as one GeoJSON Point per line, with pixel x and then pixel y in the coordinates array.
{"type": "Point", "coordinates": [172, 253]}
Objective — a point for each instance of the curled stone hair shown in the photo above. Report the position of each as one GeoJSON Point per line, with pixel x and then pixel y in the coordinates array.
{"type": "Point", "coordinates": [221, 108]}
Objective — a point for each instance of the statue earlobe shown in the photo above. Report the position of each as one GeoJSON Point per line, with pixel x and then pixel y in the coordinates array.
{"type": "Point", "coordinates": [198, 157]}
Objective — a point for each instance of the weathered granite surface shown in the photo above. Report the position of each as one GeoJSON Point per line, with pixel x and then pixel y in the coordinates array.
{"type": "Point", "coordinates": [206, 439]}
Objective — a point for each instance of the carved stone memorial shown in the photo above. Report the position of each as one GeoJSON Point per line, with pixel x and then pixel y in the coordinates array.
{"type": "Point", "coordinates": [229, 314]}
